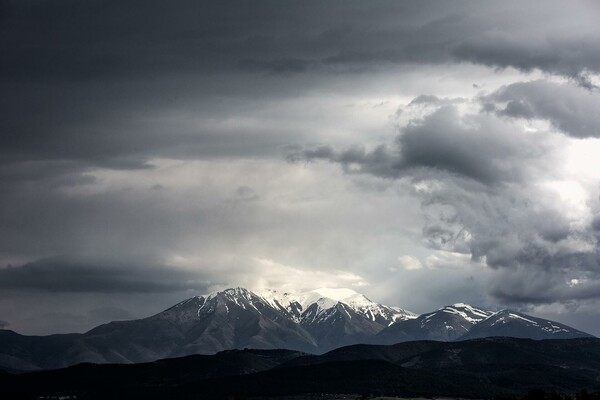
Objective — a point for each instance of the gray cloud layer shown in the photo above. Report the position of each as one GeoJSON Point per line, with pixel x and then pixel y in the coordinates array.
{"type": "Point", "coordinates": [475, 147]}
{"type": "Point", "coordinates": [571, 109]}
{"type": "Point", "coordinates": [79, 81]}
{"type": "Point", "coordinates": [68, 275]}
{"type": "Point", "coordinates": [111, 38]}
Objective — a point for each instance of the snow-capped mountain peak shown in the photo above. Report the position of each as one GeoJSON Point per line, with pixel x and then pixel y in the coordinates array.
{"type": "Point", "coordinates": [323, 300]}
{"type": "Point", "coordinates": [286, 302]}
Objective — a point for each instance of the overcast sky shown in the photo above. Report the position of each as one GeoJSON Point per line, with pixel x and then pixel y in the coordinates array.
{"type": "Point", "coordinates": [422, 153]}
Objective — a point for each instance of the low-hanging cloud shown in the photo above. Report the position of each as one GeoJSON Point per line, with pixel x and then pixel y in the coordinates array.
{"type": "Point", "coordinates": [569, 108]}
{"type": "Point", "coordinates": [573, 57]}
{"type": "Point", "coordinates": [66, 275]}
{"type": "Point", "coordinates": [473, 146]}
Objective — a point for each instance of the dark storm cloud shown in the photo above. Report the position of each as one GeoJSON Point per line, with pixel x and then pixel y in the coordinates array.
{"type": "Point", "coordinates": [67, 275]}
{"type": "Point", "coordinates": [122, 125]}
{"type": "Point", "coordinates": [277, 66]}
{"type": "Point", "coordinates": [80, 81]}
{"type": "Point", "coordinates": [554, 283]}
{"type": "Point", "coordinates": [381, 161]}
{"type": "Point", "coordinates": [4, 324]}
{"type": "Point", "coordinates": [572, 57]}
{"type": "Point", "coordinates": [70, 40]}
{"type": "Point", "coordinates": [569, 108]}
{"type": "Point", "coordinates": [473, 147]}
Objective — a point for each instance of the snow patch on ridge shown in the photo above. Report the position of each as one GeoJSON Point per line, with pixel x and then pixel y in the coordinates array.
{"type": "Point", "coordinates": [467, 312]}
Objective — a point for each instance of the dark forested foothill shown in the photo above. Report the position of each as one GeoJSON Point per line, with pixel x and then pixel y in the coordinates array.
{"type": "Point", "coordinates": [501, 368]}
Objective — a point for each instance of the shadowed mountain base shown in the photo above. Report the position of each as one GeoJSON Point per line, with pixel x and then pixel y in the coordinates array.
{"type": "Point", "coordinates": [480, 368]}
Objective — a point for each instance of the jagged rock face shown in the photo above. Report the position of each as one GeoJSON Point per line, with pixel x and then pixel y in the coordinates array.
{"type": "Point", "coordinates": [314, 321]}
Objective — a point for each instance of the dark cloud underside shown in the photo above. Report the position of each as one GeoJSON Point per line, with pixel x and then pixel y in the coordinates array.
{"type": "Point", "coordinates": [67, 275]}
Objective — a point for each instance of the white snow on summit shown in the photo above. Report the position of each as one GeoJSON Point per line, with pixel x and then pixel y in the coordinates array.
{"type": "Point", "coordinates": [328, 298]}
{"type": "Point", "coordinates": [341, 294]}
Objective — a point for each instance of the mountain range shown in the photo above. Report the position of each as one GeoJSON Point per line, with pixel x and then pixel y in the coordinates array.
{"type": "Point", "coordinates": [313, 322]}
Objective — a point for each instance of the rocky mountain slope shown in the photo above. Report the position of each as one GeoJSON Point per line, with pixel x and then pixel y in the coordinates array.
{"type": "Point", "coordinates": [519, 325]}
